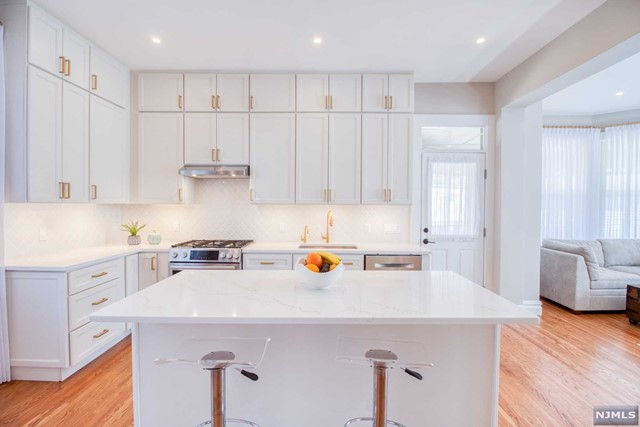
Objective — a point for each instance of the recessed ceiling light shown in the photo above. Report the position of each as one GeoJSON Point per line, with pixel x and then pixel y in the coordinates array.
{"type": "Point", "coordinates": [619, 93]}
{"type": "Point", "coordinates": [480, 40]}
{"type": "Point", "coordinates": [156, 40]}
{"type": "Point", "coordinates": [317, 40]}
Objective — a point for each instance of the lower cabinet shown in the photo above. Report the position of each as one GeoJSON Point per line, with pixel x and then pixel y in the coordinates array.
{"type": "Point", "coordinates": [352, 262]}
{"type": "Point", "coordinates": [50, 334]}
{"type": "Point", "coordinates": [152, 268]}
{"type": "Point", "coordinates": [267, 261]}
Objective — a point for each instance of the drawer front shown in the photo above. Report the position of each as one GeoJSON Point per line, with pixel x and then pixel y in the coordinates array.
{"type": "Point", "coordinates": [95, 275]}
{"type": "Point", "coordinates": [83, 304]}
{"type": "Point", "coordinates": [352, 262]}
{"type": "Point", "coordinates": [85, 340]}
{"type": "Point", "coordinates": [267, 262]}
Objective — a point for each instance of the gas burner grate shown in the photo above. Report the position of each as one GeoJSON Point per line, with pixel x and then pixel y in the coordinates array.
{"type": "Point", "coordinates": [213, 244]}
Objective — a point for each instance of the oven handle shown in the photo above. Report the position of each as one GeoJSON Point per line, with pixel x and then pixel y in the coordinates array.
{"type": "Point", "coordinates": [202, 266]}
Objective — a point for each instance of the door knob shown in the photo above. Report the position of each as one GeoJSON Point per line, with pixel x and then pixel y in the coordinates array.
{"type": "Point", "coordinates": [426, 230]}
{"type": "Point", "coordinates": [427, 241]}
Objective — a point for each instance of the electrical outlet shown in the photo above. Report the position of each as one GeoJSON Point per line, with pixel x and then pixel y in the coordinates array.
{"type": "Point", "coordinates": [367, 228]}
{"type": "Point", "coordinates": [176, 226]}
{"type": "Point", "coordinates": [43, 234]}
{"type": "Point", "coordinates": [391, 228]}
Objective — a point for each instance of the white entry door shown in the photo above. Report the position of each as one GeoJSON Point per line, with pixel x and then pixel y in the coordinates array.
{"type": "Point", "coordinates": [453, 212]}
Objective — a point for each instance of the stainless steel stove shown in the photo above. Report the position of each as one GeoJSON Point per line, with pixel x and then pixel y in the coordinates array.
{"type": "Point", "coordinates": [207, 255]}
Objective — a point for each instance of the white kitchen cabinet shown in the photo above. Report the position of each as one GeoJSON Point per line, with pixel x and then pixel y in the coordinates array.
{"type": "Point", "coordinates": [312, 92]}
{"type": "Point", "coordinates": [199, 139]}
{"type": "Point", "coordinates": [76, 52]}
{"type": "Point", "coordinates": [267, 261]}
{"type": "Point", "coordinates": [109, 152]}
{"type": "Point", "coordinates": [312, 158]}
{"type": "Point", "coordinates": [272, 93]}
{"type": "Point", "coordinates": [345, 144]}
{"type": "Point", "coordinates": [387, 92]}
{"type": "Point", "coordinates": [45, 41]}
{"type": "Point", "coordinates": [131, 274]}
{"type": "Point", "coordinates": [386, 159]}
{"type": "Point", "coordinates": [199, 92]}
{"type": "Point", "coordinates": [216, 139]}
{"type": "Point", "coordinates": [272, 158]}
{"type": "Point", "coordinates": [109, 78]}
{"type": "Point", "coordinates": [75, 143]}
{"type": "Point", "coordinates": [160, 92]}
{"type": "Point", "coordinates": [232, 93]}
{"type": "Point", "coordinates": [160, 156]}
{"type": "Point", "coordinates": [345, 93]}
{"type": "Point", "coordinates": [152, 267]}
{"type": "Point", "coordinates": [352, 261]}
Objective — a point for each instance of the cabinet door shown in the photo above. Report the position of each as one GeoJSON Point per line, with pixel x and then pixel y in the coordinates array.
{"type": "Point", "coordinates": [345, 142]}
{"type": "Point", "coordinates": [45, 41]}
{"type": "Point", "coordinates": [272, 158]}
{"type": "Point", "coordinates": [199, 139]}
{"type": "Point", "coordinates": [345, 91]}
{"type": "Point", "coordinates": [109, 78]}
{"type": "Point", "coordinates": [147, 269]}
{"type": "Point", "coordinates": [233, 138]}
{"type": "Point", "coordinates": [374, 158]}
{"type": "Point", "coordinates": [273, 92]}
{"type": "Point", "coordinates": [312, 92]}
{"type": "Point", "coordinates": [131, 274]}
{"type": "Point", "coordinates": [109, 153]}
{"type": "Point", "coordinates": [44, 137]}
{"type": "Point", "coordinates": [76, 51]}
{"type": "Point", "coordinates": [162, 265]}
{"type": "Point", "coordinates": [75, 142]}
{"type": "Point", "coordinates": [233, 93]}
{"type": "Point", "coordinates": [160, 155]}
{"type": "Point", "coordinates": [399, 155]}
{"type": "Point", "coordinates": [401, 90]}
{"type": "Point", "coordinates": [375, 93]}
{"type": "Point", "coordinates": [160, 92]}
{"type": "Point", "coordinates": [312, 162]}
{"type": "Point", "coordinates": [199, 92]}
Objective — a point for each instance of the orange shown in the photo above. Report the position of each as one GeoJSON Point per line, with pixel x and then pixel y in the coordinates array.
{"type": "Point", "coordinates": [313, 268]}
{"type": "Point", "coordinates": [314, 259]}
{"type": "Point", "coordinates": [332, 266]}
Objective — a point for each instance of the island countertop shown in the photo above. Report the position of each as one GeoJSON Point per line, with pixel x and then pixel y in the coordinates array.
{"type": "Point", "coordinates": [276, 297]}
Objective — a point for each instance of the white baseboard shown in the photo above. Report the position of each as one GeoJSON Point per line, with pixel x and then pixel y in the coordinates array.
{"type": "Point", "coordinates": [534, 306]}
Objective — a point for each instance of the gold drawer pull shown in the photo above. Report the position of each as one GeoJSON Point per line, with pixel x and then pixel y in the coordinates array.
{"type": "Point", "coordinates": [347, 263]}
{"type": "Point", "coordinates": [95, 276]}
{"type": "Point", "coordinates": [180, 102]}
{"type": "Point", "coordinates": [100, 301]}
{"type": "Point", "coordinates": [94, 82]}
{"type": "Point", "coordinates": [267, 262]}
{"type": "Point", "coordinates": [104, 331]}
{"type": "Point", "coordinates": [67, 63]}
{"type": "Point", "coordinates": [251, 102]}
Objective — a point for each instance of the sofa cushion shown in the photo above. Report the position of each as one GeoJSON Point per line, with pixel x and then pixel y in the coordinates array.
{"type": "Point", "coordinates": [593, 244]}
{"type": "Point", "coordinates": [585, 251]}
{"type": "Point", "coordinates": [631, 269]}
{"type": "Point", "coordinates": [621, 251]}
{"type": "Point", "coordinates": [612, 279]}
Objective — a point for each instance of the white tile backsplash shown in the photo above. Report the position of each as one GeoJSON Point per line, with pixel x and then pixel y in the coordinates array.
{"type": "Point", "coordinates": [221, 210]}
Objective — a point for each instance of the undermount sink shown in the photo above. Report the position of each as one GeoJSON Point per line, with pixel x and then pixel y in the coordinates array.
{"type": "Point", "coordinates": [327, 246]}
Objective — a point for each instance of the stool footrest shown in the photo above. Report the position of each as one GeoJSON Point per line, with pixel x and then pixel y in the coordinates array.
{"type": "Point", "coordinates": [355, 420]}
{"type": "Point", "coordinates": [230, 420]}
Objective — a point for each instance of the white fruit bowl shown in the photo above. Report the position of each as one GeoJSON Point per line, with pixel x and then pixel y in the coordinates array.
{"type": "Point", "coordinates": [318, 280]}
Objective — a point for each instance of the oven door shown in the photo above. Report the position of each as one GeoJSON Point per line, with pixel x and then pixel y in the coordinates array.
{"type": "Point", "coordinates": [177, 267]}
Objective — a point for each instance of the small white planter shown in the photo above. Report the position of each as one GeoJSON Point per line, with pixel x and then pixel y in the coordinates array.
{"type": "Point", "coordinates": [134, 240]}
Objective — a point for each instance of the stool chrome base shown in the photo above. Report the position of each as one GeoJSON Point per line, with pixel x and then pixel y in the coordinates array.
{"type": "Point", "coordinates": [230, 420]}
{"type": "Point", "coordinates": [355, 420]}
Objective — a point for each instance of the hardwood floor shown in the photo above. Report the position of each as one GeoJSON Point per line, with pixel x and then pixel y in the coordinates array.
{"type": "Point", "coordinates": [551, 375]}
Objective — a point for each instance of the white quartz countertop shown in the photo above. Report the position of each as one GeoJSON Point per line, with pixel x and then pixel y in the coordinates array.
{"type": "Point", "coordinates": [66, 260]}
{"type": "Point", "coordinates": [362, 248]}
{"type": "Point", "coordinates": [276, 297]}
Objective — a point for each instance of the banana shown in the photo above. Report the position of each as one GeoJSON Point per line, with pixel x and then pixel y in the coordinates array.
{"type": "Point", "coordinates": [329, 258]}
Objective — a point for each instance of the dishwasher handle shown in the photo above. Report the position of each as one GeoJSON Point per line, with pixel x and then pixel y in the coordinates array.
{"type": "Point", "coordinates": [393, 262]}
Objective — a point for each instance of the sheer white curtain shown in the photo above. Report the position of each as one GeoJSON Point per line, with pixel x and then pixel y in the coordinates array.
{"type": "Point", "coordinates": [4, 327]}
{"type": "Point", "coordinates": [570, 183]}
{"type": "Point", "coordinates": [621, 182]}
{"type": "Point", "coordinates": [455, 208]}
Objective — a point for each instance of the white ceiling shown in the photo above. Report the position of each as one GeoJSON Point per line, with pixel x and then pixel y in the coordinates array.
{"type": "Point", "coordinates": [597, 94]}
{"type": "Point", "coordinates": [433, 38]}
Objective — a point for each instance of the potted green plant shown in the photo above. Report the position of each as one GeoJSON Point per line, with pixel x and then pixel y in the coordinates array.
{"type": "Point", "coordinates": [133, 229]}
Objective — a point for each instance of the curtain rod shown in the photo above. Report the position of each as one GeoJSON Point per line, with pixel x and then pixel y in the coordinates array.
{"type": "Point", "coordinates": [590, 127]}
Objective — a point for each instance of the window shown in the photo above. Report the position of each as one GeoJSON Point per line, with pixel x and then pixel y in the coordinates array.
{"type": "Point", "coordinates": [453, 138]}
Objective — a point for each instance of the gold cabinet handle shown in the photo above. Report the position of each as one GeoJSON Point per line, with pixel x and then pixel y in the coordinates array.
{"type": "Point", "coordinates": [94, 82]}
{"type": "Point", "coordinates": [61, 190]}
{"type": "Point", "coordinates": [213, 154]}
{"type": "Point", "coordinates": [251, 102]}
{"type": "Point", "coordinates": [67, 63]}
{"type": "Point", "coordinates": [68, 184]}
{"type": "Point", "coordinates": [62, 63]}
{"type": "Point", "coordinates": [267, 262]}
{"type": "Point", "coordinates": [389, 190]}
{"type": "Point", "coordinates": [180, 194]}
{"type": "Point", "coordinates": [326, 102]}
{"type": "Point", "coordinates": [153, 263]}
{"type": "Point", "coordinates": [180, 102]}
{"type": "Point", "coordinates": [94, 192]}
{"type": "Point", "coordinates": [347, 263]}
{"type": "Point", "coordinates": [104, 331]}
{"type": "Point", "coordinates": [95, 276]}
{"type": "Point", "coordinates": [218, 102]}
{"type": "Point", "coordinates": [386, 102]}
{"type": "Point", "coordinates": [100, 301]}
{"type": "Point", "coordinates": [213, 102]}
{"type": "Point", "coordinates": [217, 154]}
{"type": "Point", "coordinates": [385, 195]}
{"type": "Point", "coordinates": [391, 103]}
{"type": "Point", "coordinates": [331, 102]}
{"type": "Point", "coordinates": [330, 194]}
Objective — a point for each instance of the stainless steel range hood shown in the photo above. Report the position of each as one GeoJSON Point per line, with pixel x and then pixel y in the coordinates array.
{"type": "Point", "coordinates": [214, 171]}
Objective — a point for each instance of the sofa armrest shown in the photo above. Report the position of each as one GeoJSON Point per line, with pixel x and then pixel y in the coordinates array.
{"type": "Point", "coordinates": [564, 279]}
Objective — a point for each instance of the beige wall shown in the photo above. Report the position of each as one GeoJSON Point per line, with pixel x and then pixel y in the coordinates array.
{"type": "Point", "coordinates": [454, 98]}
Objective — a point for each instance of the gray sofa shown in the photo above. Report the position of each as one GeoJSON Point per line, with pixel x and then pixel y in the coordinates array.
{"type": "Point", "coordinates": [586, 275]}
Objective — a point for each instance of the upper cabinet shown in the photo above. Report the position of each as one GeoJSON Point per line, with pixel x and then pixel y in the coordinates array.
{"type": "Point", "coordinates": [227, 93]}
{"type": "Point", "coordinates": [345, 93]}
{"type": "Point", "coordinates": [161, 92]}
{"type": "Point", "coordinates": [272, 93]}
{"type": "Point", "coordinates": [329, 92]}
{"type": "Point", "coordinates": [312, 92]}
{"type": "Point", "coordinates": [76, 53]}
{"type": "Point", "coordinates": [392, 93]}
{"type": "Point", "coordinates": [199, 91]}
{"type": "Point", "coordinates": [45, 41]}
{"type": "Point", "coordinates": [109, 78]}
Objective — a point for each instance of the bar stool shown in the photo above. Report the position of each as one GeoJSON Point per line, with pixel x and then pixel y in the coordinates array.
{"type": "Point", "coordinates": [222, 353]}
{"type": "Point", "coordinates": [382, 356]}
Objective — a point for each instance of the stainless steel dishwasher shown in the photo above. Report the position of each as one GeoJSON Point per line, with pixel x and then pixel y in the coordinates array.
{"type": "Point", "coordinates": [393, 262]}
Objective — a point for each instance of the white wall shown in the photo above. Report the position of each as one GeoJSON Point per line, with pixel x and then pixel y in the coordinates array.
{"type": "Point", "coordinates": [454, 98]}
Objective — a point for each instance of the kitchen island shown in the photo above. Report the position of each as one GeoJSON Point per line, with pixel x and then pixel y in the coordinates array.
{"type": "Point", "coordinates": [301, 383]}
